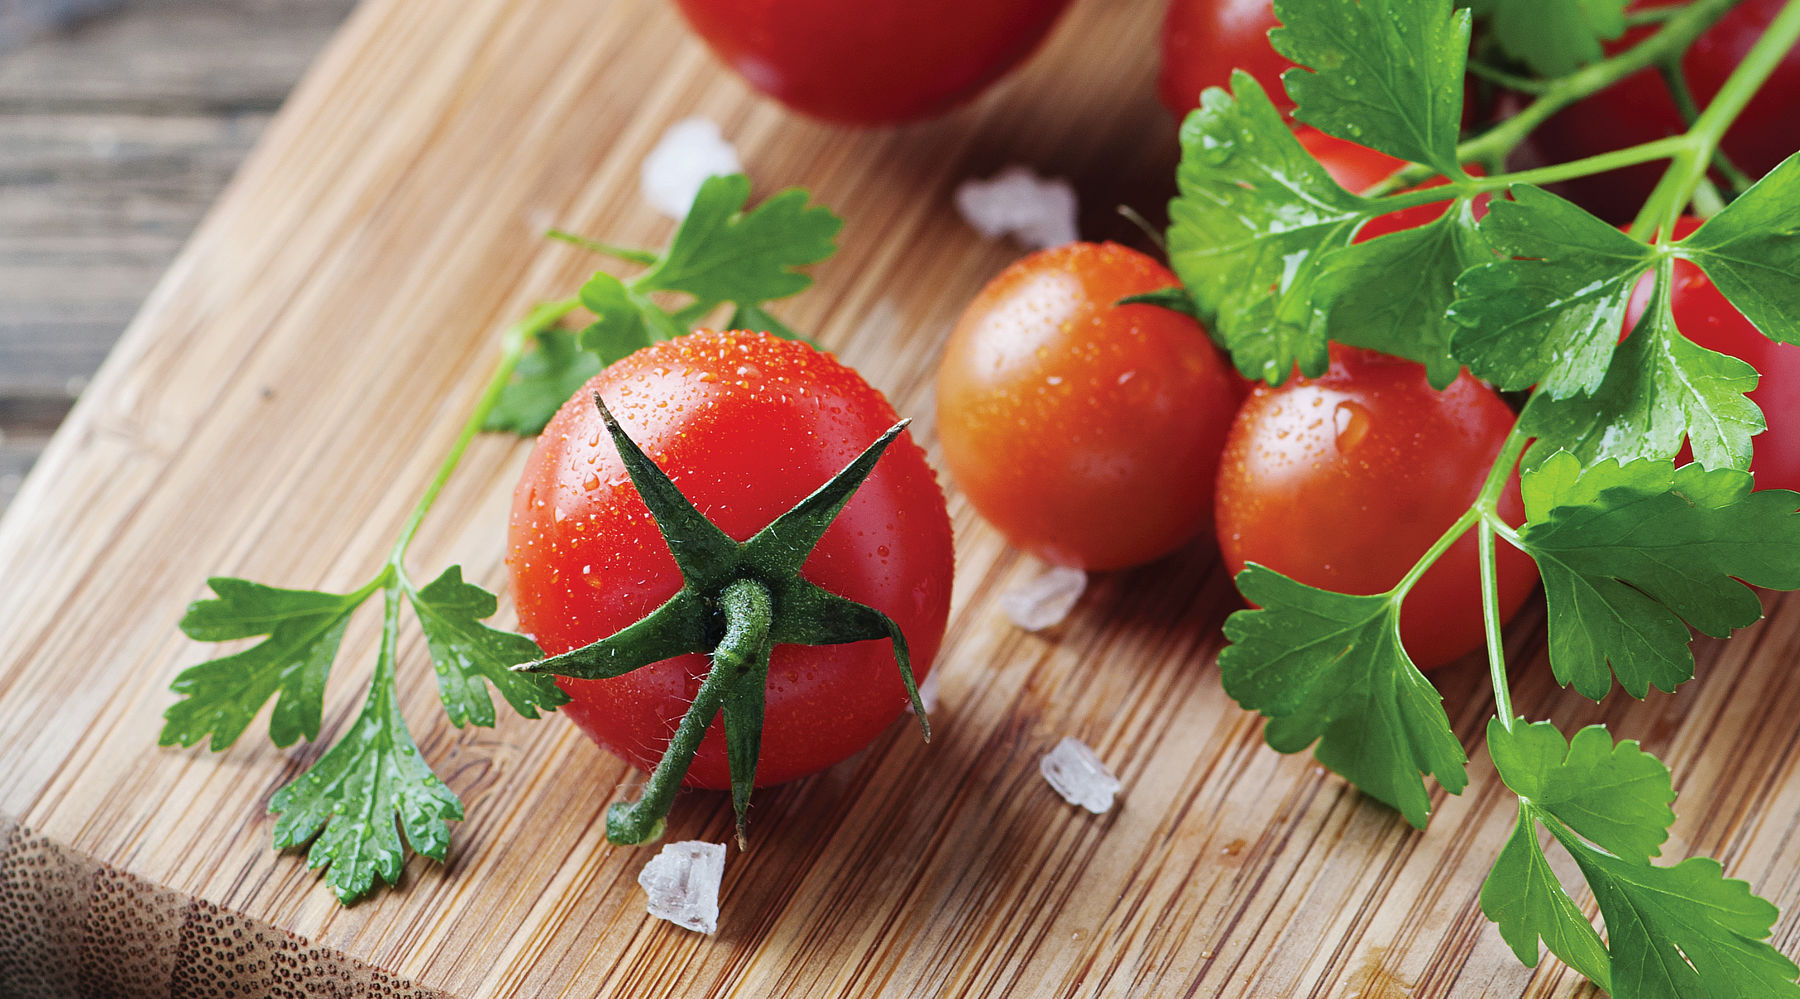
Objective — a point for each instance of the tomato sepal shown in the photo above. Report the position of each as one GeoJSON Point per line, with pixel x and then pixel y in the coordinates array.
{"type": "Point", "coordinates": [737, 602]}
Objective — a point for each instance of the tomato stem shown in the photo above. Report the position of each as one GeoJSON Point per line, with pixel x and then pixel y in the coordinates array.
{"type": "Point", "coordinates": [740, 660]}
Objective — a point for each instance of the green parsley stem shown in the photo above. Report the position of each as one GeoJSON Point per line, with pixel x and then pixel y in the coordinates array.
{"type": "Point", "coordinates": [1689, 167]}
{"type": "Point", "coordinates": [625, 253]}
{"type": "Point", "coordinates": [512, 348]}
{"type": "Point", "coordinates": [1491, 147]}
{"type": "Point", "coordinates": [1487, 507]}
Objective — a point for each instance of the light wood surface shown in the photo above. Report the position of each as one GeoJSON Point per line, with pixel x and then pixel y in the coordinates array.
{"type": "Point", "coordinates": [285, 394]}
{"type": "Point", "coordinates": [120, 122]}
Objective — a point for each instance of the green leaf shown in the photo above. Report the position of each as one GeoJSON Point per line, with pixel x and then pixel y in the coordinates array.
{"type": "Point", "coordinates": [1751, 251]}
{"type": "Point", "coordinates": [1384, 73]}
{"type": "Point", "coordinates": [1254, 216]}
{"type": "Point", "coordinates": [465, 652]}
{"type": "Point", "coordinates": [1554, 37]}
{"type": "Point", "coordinates": [1617, 796]}
{"type": "Point", "coordinates": [1685, 930]}
{"type": "Point", "coordinates": [1174, 298]}
{"type": "Point", "coordinates": [351, 798]}
{"type": "Point", "coordinates": [1549, 311]}
{"type": "Point", "coordinates": [1526, 901]}
{"type": "Point", "coordinates": [1393, 293]}
{"type": "Point", "coordinates": [1659, 388]}
{"type": "Point", "coordinates": [723, 253]}
{"type": "Point", "coordinates": [1628, 553]}
{"type": "Point", "coordinates": [758, 320]}
{"type": "Point", "coordinates": [1329, 667]}
{"type": "Point", "coordinates": [544, 379]}
{"type": "Point", "coordinates": [222, 695]}
{"type": "Point", "coordinates": [624, 321]}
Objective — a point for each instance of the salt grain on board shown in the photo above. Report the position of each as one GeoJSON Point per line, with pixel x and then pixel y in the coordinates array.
{"type": "Point", "coordinates": [1078, 775]}
{"type": "Point", "coordinates": [682, 881]}
{"type": "Point", "coordinates": [1044, 600]}
{"type": "Point", "coordinates": [692, 150]}
{"type": "Point", "coordinates": [1037, 211]}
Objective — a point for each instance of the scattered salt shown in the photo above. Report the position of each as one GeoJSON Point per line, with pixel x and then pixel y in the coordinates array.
{"type": "Point", "coordinates": [1044, 600]}
{"type": "Point", "coordinates": [682, 881]}
{"type": "Point", "coordinates": [692, 150]}
{"type": "Point", "coordinates": [1038, 212]}
{"type": "Point", "coordinates": [1079, 776]}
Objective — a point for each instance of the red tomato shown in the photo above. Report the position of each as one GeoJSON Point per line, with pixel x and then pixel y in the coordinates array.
{"type": "Point", "coordinates": [1705, 317]}
{"type": "Point", "coordinates": [1639, 109]}
{"type": "Point", "coordinates": [746, 425]}
{"type": "Point", "coordinates": [1343, 481]}
{"type": "Point", "coordinates": [871, 62]}
{"type": "Point", "coordinates": [1357, 168]}
{"type": "Point", "coordinates": [1204, 40]}
{"type": "Point", "coordinates": [1087, 432]}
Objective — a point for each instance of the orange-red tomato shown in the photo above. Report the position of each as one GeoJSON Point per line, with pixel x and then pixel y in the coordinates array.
{"type": "Point", "coordinates": [1204, 40]}
{"type": "Point", "coordinates": [1087, 432]}
{"type": "Point", "coordinates": [1345, 480]}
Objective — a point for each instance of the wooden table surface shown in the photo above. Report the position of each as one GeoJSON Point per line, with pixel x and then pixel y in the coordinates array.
{"type": "Point", "coordinates": [120, 123]}
{"type": "Point", "coordinates": [320, 339]}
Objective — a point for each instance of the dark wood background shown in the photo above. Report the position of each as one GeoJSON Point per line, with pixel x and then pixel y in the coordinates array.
{"type": "Point", "coordinates": [120, 123]}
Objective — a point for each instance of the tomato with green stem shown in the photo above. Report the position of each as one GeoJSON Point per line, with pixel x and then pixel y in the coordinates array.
{"type": "Point", "coordinates": [728, 550]}
{"type": "Point", "coordinates": [1344, 481]}
{"type": "Point", "coordinates": [1087, 431]}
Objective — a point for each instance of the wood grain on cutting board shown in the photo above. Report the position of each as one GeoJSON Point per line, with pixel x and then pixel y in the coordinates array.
{"type": "Point", "coordinates": [285, 395]}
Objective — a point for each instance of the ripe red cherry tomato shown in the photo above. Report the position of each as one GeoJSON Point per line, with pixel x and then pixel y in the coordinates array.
{"type": "Point", "coordinates": [1343, 481]}
{"type": "Point", "coordinates": [1087, 432]}
{"type": "Point", "coordinates": [745, 425]}
{"type": "Point", "coordinates": [871, 62]}
{"type": "Point", "coordinates": [1705, 317]}
{"type": "Point", "coordinates": [1639, 109]}
{"type": "Point", "coordinates": [1204, 40]}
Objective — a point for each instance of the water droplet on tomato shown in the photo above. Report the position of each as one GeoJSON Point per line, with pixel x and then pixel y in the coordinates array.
{"type": "Point", "coordinates": [1351, 422]}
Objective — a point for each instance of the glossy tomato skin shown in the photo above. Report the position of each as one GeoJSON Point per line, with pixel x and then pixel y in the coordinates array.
{"type": "Point", "coordinates": [1639, 109]}
{"type": "Point", "coordinates": [1344, 480]}
{"type": "Point", "coordinates": [1087, 432]}
{"type": "Point", "coordinates": [1704, 316]}
{"type": "Point", "coordinates": [871, 62]}
{"type": "Point", "coordinates": [1204, 40]}
{"type": "Point", "coordinates": [745, 425]}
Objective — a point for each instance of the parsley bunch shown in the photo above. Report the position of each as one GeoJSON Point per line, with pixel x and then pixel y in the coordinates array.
{"type": "Point", "coordinates": [1634, 552]}
{"type": "Point", "coordinates": [348, 802]}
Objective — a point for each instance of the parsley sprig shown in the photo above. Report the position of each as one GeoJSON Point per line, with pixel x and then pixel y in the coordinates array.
{"type": "Point", "coordinates": [1635, 553]}
{"type": "Point", "coordinates": [372, 787]}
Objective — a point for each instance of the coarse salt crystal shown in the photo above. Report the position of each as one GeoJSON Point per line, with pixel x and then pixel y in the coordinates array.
{"type": "Point", "coordinates": [682, 881]}
{"type": "Point", "coordinates": [1078, 775]}
{"type": "Point", "coordinates": [1038, 212]}
{"type": "Point", "coordinates": [1044, 600]}
{"type": "Point", "coordinates": [692, 150]}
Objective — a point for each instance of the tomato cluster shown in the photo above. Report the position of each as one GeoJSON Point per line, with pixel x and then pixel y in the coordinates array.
{"type": "Point", "coordinates": [1098, 435]}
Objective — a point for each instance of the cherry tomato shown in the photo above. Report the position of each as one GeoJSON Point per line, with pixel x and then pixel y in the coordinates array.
{"type": "Point", "coordinates": [1204, 40]}
{"type": "Point", "coordinates": [1638, 109]}
{"type": "Point", "coordinates": [1345, 480]}
{"type": "Point", "coordinates": [1087, 432]}
{"type": "Point", "coordinates": [1704, 316]}
{"type": "Point", "coordinates": [1357, 168]}
{"type": "Point", "coordinates": [746, 425]}
{"type": "Point", "coordinates": [871, 62]}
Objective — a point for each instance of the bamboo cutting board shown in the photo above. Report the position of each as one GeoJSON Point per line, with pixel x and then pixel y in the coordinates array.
{"type": "Point", "coordinates": [285, 395]}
